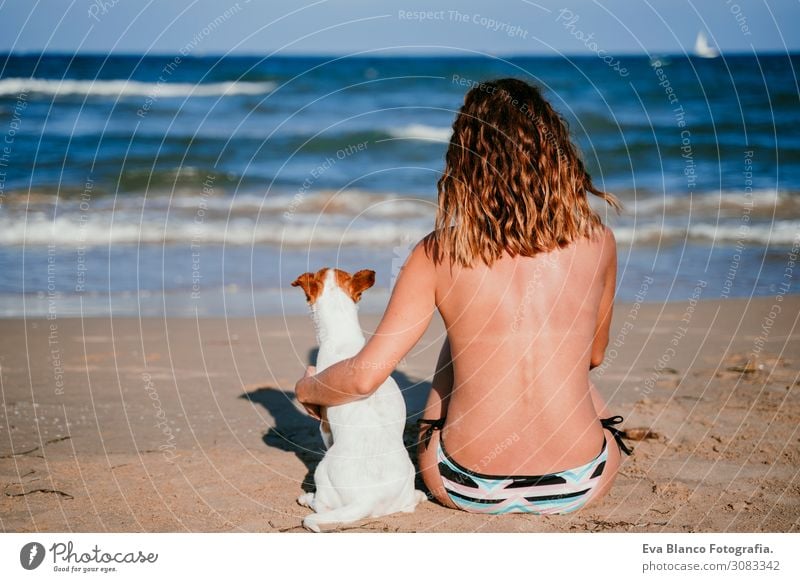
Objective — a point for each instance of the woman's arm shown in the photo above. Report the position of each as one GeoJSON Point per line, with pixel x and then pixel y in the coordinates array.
{"type": "Point", "coordinates": [606, 301]}
{"type": "Point", "coordinates": [407, 316]}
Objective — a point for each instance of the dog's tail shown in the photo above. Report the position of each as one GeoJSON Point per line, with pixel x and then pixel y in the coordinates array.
{"type": "Point", "coordinates": [346, 514]}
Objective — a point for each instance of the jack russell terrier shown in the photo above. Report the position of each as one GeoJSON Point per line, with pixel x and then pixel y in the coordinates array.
{"type": "Point", "coordinates": [366, 471]}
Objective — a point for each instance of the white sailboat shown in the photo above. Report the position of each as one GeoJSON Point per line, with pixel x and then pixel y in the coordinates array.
{"type": "Point", "coordinates": [703, 49]}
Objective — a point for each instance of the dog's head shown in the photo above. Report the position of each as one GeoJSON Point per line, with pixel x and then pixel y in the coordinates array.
{"type": "Point", "coordinates": [353, 285]}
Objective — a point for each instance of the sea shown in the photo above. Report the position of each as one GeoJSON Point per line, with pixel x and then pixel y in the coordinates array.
{"type": "Point", "coordinates": [184, 186]}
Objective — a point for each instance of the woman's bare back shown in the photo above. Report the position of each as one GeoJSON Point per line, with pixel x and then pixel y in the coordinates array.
{"type": "Point", "coordinates": [521, 336]}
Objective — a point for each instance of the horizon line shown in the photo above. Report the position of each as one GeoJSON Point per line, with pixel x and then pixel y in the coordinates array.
{"type": "Point", "coordinates": [361, 54]}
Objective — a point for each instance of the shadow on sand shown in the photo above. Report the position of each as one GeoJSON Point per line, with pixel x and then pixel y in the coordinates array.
{"type": "Point", "coordinates": [293, 430]}
{"type": "Point", "coordinates": [298, 433]}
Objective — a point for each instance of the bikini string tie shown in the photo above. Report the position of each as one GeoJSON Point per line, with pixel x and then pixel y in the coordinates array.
{"type": "Point", "coordinates": [618, 434]}
{"type": "Point", "coordinates": [432, 425]}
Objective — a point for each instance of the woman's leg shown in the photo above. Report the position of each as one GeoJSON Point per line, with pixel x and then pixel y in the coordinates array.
{"type": "Point", "coordinates": [609, 471]}
{"type": "Point", "coordinates": [429, 468]}
{"type": "Point", "coordinates": [436, 408]}
{"type": "Point", "coordinates": [614, 457]}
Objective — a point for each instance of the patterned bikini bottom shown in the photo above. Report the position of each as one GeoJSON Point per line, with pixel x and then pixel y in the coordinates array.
{"type": "Point", "coordinates": [552, 493]}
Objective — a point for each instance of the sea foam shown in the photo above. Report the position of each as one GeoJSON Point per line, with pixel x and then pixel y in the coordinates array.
{"type": "Point", "coordinates": [125, 87]}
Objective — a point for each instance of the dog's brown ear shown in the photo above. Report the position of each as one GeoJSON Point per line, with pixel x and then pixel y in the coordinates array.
{"type": "Point", "coordinates": [360, 282]}
{"type": "Point", "coordinates": [310, 284]}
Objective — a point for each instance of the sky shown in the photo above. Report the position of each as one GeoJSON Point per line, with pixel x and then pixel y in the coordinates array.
{"type": "Point", "coordinates": [326, 27]}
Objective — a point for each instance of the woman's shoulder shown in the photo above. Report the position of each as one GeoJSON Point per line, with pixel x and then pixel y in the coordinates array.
{"type": "Point", "coordinates": [608, 235]}
{"type": "Point", "coordinates": [598, 248]}
{"type": "Point", "coordinates": [607, 247]}
{"type": "Point", "coordinates": [427, 248]}
{"type": "Point", "coordinates": [609, 240]}
{"type": "Point", "coordinates": [421, 256]}
{"type": "Point", "coordinates": [603, 239]}
{"type": "Point", "coordinates": [602, 235]}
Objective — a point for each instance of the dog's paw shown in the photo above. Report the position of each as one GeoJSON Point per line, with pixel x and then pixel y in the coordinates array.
{"type": "Point", "coordinates": [306, 500]}
{"type": "Point", "coordinates": [311, 524]}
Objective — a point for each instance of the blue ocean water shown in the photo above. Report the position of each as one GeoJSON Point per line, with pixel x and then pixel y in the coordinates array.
{"type": "Point", "coordinates": [169, 184]}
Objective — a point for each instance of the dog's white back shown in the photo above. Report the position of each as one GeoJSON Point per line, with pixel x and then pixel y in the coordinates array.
{"type": "Point", "coordinates": [366, 471]}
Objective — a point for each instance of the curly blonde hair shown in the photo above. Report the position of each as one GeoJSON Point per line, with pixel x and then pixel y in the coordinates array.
{"type": "Point", "coordinates": [513, 181]}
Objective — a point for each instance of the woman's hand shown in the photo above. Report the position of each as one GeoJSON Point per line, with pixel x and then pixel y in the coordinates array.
{"type": "Point", "coordinates": [301, 393]}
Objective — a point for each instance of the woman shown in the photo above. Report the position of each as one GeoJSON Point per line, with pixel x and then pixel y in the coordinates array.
{"type": "Point", "coordinates": [523, 272]}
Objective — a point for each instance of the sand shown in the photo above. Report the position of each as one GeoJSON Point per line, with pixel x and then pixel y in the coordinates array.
{"type": "Point", "coordinates": [176, 425]}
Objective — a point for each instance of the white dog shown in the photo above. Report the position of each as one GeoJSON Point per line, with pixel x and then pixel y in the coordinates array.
{"type": "Point", "coordinates": [366, 471]}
